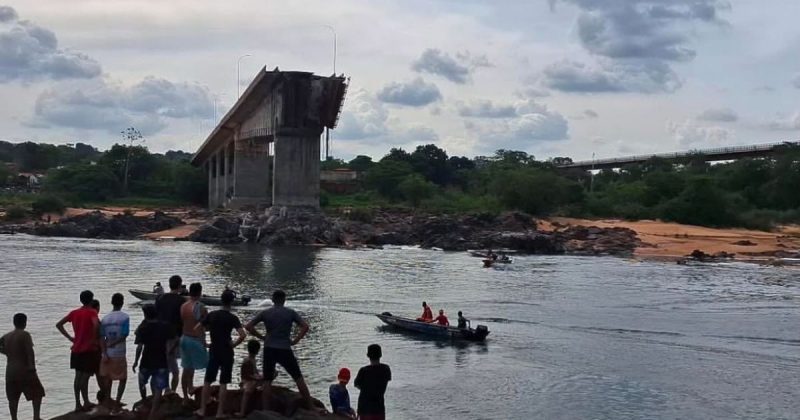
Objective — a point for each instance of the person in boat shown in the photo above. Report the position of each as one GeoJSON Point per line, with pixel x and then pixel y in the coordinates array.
{"type": "Point", "coordinates": [427, 314]}
{"type": "Point", "coordinates": [463, 323]}
{"type": "Point", "coordinates": [441, 319]}
{"type": "Point", "coordinates": [503, 257]}
{"type": "Point", "coordinates": [158, 288]}
{"type": "Point", "coordinates": [491, 255]}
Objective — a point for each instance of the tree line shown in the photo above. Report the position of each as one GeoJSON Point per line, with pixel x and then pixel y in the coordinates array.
{"type": "Point", "coordinates": [753, 192]}
{"type": "Point", "coordinates": [80, 173]}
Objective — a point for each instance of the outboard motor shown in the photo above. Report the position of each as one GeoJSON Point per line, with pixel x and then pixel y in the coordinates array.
{"type": "Point", "coordinates": [481, 331]}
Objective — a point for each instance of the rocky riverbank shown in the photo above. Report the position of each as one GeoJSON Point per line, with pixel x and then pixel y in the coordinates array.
{"type": "Point", "coordinates": [100, 225]}
{"type": "Point", "coordinates": [511, 231]}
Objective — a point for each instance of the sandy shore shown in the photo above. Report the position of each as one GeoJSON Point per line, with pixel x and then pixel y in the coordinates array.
{"type": "Point", "coordinates": [672, 240]}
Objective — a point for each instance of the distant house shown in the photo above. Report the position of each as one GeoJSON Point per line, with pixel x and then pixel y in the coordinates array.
{"type": "Point", "coordinates": [29, 180]}
{"type": "Point", "coordinates": [339, 181]}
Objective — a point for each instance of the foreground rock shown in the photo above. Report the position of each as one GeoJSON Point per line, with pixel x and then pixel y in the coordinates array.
{"type": "Point", "coordinates": [285, 404]}
{"type": "Point", "coordinates": [98, 225]}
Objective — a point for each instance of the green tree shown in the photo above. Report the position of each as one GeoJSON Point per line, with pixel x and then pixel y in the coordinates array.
{"type": "Point", "coordinates": [331, 164]}
{"type": "Point", "coordinates": [398, 155]}
{"type": "Point", "coordinates": [386, 175]}
{"type": "Point", "coordinates": [48, 204]}
{"type": "Point", "coordinates": [701, 203]}
{"type": "Point", "coordinates": [415, 188]}
{"type": "Point", "coordinates": [85, 181]}
{"type": "Point", "coordinates": [535, 191]}
{"type": "Point", "coordinates": [191, 183]}
{"type": "Point", "coordinates": [5, 175]}
{"type": "Point", "coordinates": [361, 163]}
{"type": "Point", "coordinates": [432, 162]}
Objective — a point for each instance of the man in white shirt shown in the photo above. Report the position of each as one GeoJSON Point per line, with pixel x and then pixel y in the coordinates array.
{"type": "Point", "coordinates": [114, 330]}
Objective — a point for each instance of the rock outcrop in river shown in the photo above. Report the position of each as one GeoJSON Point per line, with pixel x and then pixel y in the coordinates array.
{"type": "Point", "coordinates": [511, 230]}
{"type": "Point", "coordinates": [99, 225]}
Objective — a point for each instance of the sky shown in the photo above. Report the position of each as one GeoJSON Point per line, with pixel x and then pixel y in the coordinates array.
{"type": "Point", "coordinates": [572, 78]}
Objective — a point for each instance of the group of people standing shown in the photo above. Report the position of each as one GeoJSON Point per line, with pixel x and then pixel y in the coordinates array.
{"type": "Point", "coordinates": [173, 328]}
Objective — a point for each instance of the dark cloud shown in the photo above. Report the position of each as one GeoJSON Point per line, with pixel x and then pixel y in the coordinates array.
{"type": "Point", "coordinates": [457, 70]}
{"type": "Point", "coordinates": [635, 42]}
{"type": "Point", "coordinates": [102, 105]}
{"type": "Point", "coordinates": [718, 115]}
{"type": "Point", "coordinates": [486, 109]}
{"type": "Point", "coordinates": [643, 77]}
{"type": "Point", "coordinates": [415, 93]}
{"type": "Point", "coordinates": [589, 113]}
{"type": "Point", "coordinates": [29, 52]}
{"type": "Point", "coordinates": [642, 28]}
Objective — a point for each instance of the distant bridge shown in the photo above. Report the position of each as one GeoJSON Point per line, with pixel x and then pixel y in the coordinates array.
{"type": "Point", "coordinates": [709, 155]}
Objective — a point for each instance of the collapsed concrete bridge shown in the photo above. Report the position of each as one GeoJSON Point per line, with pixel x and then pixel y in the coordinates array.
{"type": "Point", "coordinates": [266, 150]}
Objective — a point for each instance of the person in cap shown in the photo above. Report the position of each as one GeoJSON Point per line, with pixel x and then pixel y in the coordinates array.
{"type": "Point", "coordinates": [340, 397]}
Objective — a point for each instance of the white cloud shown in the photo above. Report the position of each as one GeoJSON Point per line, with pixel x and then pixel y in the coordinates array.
{"type": "Point", "coordinates": [363, 117]}
{"type": "Point", "coordinates": [783, 123]}
{"type": "Point", "coordinates": [718, 115]}
{"type": "Point", "coordinates": [101, 104]}
{"type": "Point", "coordinates": [689, 134]}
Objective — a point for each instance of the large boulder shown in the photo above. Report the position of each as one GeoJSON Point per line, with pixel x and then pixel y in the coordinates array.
{"type": "Point", "coordinates": [298, 226]}
{"type": "Point", "coordinates": [98, 225]}
{"type": "Point", "coordinates": [221, 230]}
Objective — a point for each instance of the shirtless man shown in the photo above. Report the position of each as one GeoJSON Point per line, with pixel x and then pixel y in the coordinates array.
{"type": "Point", "coordinates": [193, 343]}
{"type": "Point", "coordinates": [21, 375]}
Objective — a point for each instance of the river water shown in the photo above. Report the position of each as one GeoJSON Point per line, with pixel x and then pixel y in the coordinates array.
{"type": "Point", "coordinates": [571, 337]}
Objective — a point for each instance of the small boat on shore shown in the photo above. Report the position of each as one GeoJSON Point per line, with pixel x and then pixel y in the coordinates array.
{"type": "Point", "coordinates": [470, 334]}
{"type": "Point", "coordinates": [207, 300]}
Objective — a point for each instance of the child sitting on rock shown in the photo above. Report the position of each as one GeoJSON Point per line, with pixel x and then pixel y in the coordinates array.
{"type": "Point", "coordinates": [340, 397]}
{"type": "Point", "coordinates": [250, 378]}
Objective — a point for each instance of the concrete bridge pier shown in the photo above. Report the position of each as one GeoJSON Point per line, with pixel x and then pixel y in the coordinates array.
{"type": "Point", "coordinates": [297, 167]}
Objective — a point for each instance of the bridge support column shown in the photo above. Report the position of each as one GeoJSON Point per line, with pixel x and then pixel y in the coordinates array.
{"type": "Point", "coordinates": [296, 168]}
{"type": "Point", "coordinates": [251, 174]}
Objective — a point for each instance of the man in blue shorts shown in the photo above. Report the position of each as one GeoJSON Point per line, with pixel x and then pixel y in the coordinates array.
{"type": "Point", "coordinates": [193, 342]}
{"type": "Point", "coordinates": [278, 321]}
{"type": "Point", "coordinates": [151, 342]}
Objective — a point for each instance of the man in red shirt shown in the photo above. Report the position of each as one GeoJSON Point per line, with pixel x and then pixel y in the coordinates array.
{"type": "Point", "coordinates": [85, 356]}
{"type": "Point", "coordinates": [441, 319]}
{"type": "Point", "coordinates": [427, 315]}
